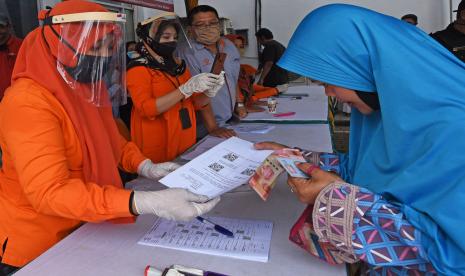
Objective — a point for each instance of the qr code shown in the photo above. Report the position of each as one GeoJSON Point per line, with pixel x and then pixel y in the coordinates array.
{"type": "Point", "coordinates": [216, 167]}
{"type": "Point", "coordinates": [230, 157]}
{"type": "Point", "coordinates": [248, 172]}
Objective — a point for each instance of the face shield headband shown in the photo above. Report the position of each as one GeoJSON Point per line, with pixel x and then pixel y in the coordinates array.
{"type": "Point", "coordinates": [150, 30]}
{"type": "Point", "coordinates": [90, 55]}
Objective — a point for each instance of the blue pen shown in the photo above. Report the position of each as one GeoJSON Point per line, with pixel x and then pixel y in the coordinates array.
{"type": "Point", "coordinates": [217, 227]}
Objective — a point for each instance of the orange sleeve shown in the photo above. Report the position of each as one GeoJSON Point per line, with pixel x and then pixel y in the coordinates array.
{"type": "Point", "coordinates": [249, 69]}
{"type": "Point", "coordinates": [139, 83]}
{"type": "Point", "coordinates": [131, 157]}
{"type": "Point", "coordinates": [32, 131]}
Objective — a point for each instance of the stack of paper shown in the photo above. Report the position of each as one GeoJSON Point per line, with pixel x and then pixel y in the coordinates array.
{"type": "Point", "coordinates": [251, 239]}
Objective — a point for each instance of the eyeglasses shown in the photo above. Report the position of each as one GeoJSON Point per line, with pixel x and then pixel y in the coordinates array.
{"type": "Point", "coordinates": [204, 26]}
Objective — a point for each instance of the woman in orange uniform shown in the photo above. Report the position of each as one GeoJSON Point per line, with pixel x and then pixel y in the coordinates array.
{"type": "Point", "coordinates": [163, 120]}
{"type": "Point", "coordinates": [61, 147]}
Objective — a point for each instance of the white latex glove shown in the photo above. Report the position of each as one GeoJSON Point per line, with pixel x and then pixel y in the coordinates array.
{"type": "Point", "coordinates": [151, 170]}
{"type": "Point", "coordinates": [198, 84]}
{"type": "Point", "coordinates": [219, 83]}
{"type": "Point", "coordinates": [173, 203]}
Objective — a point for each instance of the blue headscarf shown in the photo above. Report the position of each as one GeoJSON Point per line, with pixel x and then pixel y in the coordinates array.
{"type": "Point", "coordinates": [412, 151]}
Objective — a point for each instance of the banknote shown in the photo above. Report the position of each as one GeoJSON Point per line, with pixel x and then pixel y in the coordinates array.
{"type": "Point", "coordinates": [264, 178]}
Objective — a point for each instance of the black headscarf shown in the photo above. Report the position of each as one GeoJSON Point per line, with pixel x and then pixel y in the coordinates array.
{"type": "Point", "coordinates": [169, 64]}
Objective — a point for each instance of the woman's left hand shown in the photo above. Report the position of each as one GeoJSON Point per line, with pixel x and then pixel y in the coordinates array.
{"type": "Point", "coordinates": [151, 170]}
{"type": "Point", "coordinates": [308, 189]}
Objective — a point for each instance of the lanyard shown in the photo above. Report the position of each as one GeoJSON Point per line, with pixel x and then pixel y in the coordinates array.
{"type": "Point", "coordinates": [175, 85]}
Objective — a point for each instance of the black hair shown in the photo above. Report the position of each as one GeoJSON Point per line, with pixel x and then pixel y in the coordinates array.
{"type": "Point", "coordinates": [129, 43]}
{"type": "Point", "coordinates": [199, 9]}
{"type": "Point", "coordinates": [410, 16]}
{"type": "Point", "coordinates": [162, 27]}
{"type": "Point", "coordinates": [265, 33]}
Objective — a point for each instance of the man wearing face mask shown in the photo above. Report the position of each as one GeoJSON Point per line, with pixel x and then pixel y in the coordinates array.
{"type": "Point", "coordinates": [165, 96]}
{"type": "Point", "coordinates": [9, 47]}
{"type": "Point", "coordinates": [204, 26]}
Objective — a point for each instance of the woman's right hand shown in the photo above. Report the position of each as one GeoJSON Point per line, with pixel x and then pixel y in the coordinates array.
{"type": "Point", "coordinates": [198, 84]}
{"type": "Point", "coordinates": [269, 146]}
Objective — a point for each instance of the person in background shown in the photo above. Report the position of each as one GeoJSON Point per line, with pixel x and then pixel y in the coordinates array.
{"type": "Point", "coordinates": [125, 110]}
{"type": "Point", "coordinates": [271, 75]}
{"type": "Point", "coordinates": [453, 37]}
{"type": "Point", "coordinates": [392, 216]}
{"type": "Point", "coordinates": [9, 47]}
{"type": "Point", "coordinates": [60, 143]}
{"type": "Point", "coordinates": [165, 96]}
{"type": "Point", "coordinates": [250, 92]}
{"type": "Point", "coordinates": [410, 18]}
{"type": "Point", "coordinates": [204, 26]}
{"type": "Point", "coordinates": [131, 51]}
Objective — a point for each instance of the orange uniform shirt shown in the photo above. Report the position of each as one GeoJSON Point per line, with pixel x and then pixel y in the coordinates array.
{"type": "Point", "coordinates": [42, 193]}
{"type": "Point", "coordinates": [259, 92]}
{"type": "Point", "coordinates": [7, 62]}
{"type": "Point", "coordinates": [160, 137]}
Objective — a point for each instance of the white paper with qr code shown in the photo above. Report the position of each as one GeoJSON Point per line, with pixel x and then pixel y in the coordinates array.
{"type": "Point", "coordinates": [218, 170]}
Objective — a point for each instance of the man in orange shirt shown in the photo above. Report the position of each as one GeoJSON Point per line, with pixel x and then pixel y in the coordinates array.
{"type": "Point", "coordinates": [9, 47]}
{"type": "Point", "coordinates": [61, 147]}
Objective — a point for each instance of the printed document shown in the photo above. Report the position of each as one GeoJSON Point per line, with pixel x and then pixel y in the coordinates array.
{"type": "Point", "coordinates": [219, 170]}
{"type": "Point", "coordinates": [251, 239]}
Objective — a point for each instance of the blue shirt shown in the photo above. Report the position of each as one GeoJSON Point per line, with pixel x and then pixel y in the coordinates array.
{"type": "Point", "coordinates": [199, 59]}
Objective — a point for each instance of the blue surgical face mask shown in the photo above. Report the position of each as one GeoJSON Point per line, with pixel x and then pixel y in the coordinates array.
{"type": "Point", "coordinates": [133, 54]}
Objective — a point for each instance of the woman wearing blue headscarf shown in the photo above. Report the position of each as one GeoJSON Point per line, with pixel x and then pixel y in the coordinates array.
{"type": "Point", "coordinates": [404, 211]}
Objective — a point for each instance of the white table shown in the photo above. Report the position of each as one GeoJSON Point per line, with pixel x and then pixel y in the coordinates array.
{"type": "Point", "coordinates": [310, 109]}
{"type": "Point", "coordinates": [112, 249]}
{"type": "Point", "coordinates": [314, 137]}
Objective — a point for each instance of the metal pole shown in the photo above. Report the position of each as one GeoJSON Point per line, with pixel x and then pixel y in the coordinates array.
{"type": "Point", "coordinates": [450, 11]}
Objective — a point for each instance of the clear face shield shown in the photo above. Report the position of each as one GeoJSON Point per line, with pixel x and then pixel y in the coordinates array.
{"type": "Point", "coordinates": [91, 56]}
{"type": "Point", "coordinates": [163, 34]}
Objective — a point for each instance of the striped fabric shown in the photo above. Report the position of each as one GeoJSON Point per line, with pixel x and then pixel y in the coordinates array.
{"type": "Point", "coordinates": [367, 227]}
{"type": "Point", "coordinates": [326, 161]}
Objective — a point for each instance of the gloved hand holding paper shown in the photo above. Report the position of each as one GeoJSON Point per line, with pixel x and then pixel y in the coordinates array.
{"type": "Point", "coordinates": [219, 170]}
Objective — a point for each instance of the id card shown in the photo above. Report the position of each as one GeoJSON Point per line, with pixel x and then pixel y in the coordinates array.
{"type": "Point", "coordinates": [287, 159]}
{"type": "Point", "coordinates": [185, 119]}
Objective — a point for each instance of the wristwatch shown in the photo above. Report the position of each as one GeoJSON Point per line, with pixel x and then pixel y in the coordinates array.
{"type": "Point", "coordinates": [240, 104]}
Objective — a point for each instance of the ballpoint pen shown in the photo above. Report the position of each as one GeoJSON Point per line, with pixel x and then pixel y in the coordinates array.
{"type": "Point", "coordinates": [217, 227]}
{"type": "Point", "coordinates": [179, 270]}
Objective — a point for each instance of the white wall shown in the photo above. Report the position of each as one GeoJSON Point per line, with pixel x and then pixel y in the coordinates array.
{"type": "Point", "coordinates": [282, 17]}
